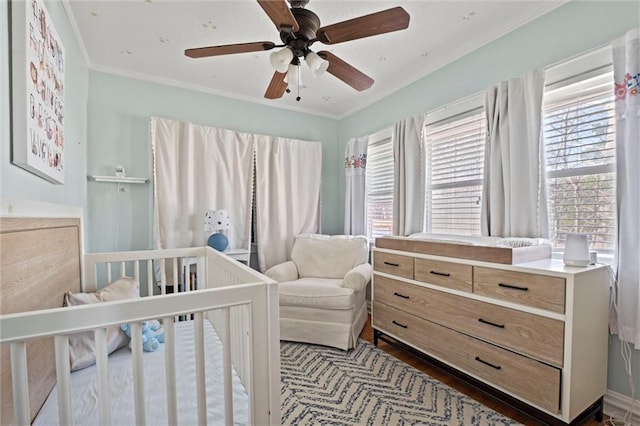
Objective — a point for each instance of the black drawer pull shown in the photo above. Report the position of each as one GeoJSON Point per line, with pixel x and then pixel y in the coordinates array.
{"type": "Point", "coordinates": [514, 287]}
{"type": "Point", "coordinates": [442, 274]}
{"type": "Point", "coordinates": [497, 367]}
{"type": "Point", "coordinates": [401, 295]}
{"type": "Point", "coordinates": [398, 324]}
{"type": "Point", "coordinates": [391, 264]}
{"type": "Point", "coordinates": [491, 323]}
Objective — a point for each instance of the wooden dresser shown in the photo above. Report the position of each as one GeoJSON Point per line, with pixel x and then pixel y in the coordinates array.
{"type": "Point", "coordinates": [535, 332]}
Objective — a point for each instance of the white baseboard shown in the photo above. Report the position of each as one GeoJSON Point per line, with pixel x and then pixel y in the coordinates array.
{"type": "Point", "coordinates": [617, 404]}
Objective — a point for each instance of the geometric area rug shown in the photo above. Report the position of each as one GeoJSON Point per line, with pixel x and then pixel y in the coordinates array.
{"type": "Point", "coordinates": [367, 386]}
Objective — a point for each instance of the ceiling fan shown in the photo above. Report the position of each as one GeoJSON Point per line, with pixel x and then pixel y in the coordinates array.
{"type": "Point", "coordinates": [299, 29]}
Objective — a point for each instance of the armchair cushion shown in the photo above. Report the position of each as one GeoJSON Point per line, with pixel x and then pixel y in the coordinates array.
{"type": "Point", "coordinates": [327, 256]}
{"type": "Point", "coordinates": [358, 277]}
{"type": "Point", "coordinates": [286, 271]}
{"type": "Point", "coordinates": [320, 293]}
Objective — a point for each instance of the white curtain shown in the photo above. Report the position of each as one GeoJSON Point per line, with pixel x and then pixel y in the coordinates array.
{"type": "Point", "coordinates": [408, 176]}
{"type": "Point", "coordinates": [198, 168]}
{"type": "Point", "coordinates": [514, 198]}
{"type": "Point", "coordinates": [355, 166]}
{"type": "Point", "coordinates": [287, 195]}
{"type": "Point", "coordinates": [626, 70]}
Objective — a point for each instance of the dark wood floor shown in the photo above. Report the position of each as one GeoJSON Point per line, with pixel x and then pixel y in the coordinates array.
{"type": "Point", "coordinates": [367, 334]}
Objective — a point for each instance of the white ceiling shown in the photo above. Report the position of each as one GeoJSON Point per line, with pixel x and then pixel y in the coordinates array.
{"type": "Point", "coordinates": [147, 38]}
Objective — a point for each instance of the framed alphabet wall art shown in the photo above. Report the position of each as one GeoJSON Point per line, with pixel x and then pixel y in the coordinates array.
{"type": "Point", "coordinates": [37, 91]}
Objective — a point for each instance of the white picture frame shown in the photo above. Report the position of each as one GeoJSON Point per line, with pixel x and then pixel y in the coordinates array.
{"type": "Point", "coordinates": [37, 91]}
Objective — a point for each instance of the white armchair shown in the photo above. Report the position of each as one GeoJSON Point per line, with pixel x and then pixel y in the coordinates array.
{"type": "Point", "coordinates": [322, 290]}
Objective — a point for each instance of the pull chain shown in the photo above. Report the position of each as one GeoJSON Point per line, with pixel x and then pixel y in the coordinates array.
{"type": "Point", "coordinates": [298, 84]}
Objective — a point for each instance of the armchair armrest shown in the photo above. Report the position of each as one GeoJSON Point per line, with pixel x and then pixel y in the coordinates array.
{"type": "Point", "coordinates": [358, 277]}
{"type": "Point", "coordinates": [283, 272]}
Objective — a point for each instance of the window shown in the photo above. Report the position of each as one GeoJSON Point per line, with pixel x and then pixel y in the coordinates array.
{"type": "Point", "coordinates": [579, 143]}
{"type": "Point", "coordinates": [379, 184]}
{"type": "Point", "coordinates": [455, 159]}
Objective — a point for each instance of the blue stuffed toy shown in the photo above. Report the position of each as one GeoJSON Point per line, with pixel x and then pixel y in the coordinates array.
{"type": "Point", "coordinates": [152, 334]}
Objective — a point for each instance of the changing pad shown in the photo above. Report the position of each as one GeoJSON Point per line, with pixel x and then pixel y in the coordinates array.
{"type": "Point", "coordinates": [510, 251]}
{"type": "Point", "coordinates": [508, 242]}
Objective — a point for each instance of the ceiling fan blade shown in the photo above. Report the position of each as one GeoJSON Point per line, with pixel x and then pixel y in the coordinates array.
{"type": "Point", "coordinates": [280, 14]}
{"type": "Point", "coordinates": [386, 21]}
{"type": "Point", "coordinates": [227, 49]}
{"type": "Point", "coordinates": [346, 72]}
{"type": "Point", "coordinates": [277, 86]}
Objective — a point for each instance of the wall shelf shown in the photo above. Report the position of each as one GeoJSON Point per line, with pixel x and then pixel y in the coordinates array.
{"type": "Point", "coordinates": [117, 179]}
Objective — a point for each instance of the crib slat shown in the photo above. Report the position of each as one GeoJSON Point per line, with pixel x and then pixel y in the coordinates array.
{"type": "Point", "coordinates": [200, 372]}
{"type": "Point", "coordinates": [109, 264]}
{"type": "Point", "coordinates": [94, 285]}
{"type": "Point", "coordinates": [20, 381]}
{"type": "Point", "coordinates": [184, 268]}
{"type": "Point", "coordinates": [176, 285]}
{"type": "Point", "coordinates": [123, 270]}
{"type": "Point", "coordinates": [226, 363]}
{"type": "Point", "coordinates": [170, 368]}
{"type": "Point", "coordinates": [138, 373]}
{"type": "Point", "coordinates": [104, 399]}
{"type": "Point", "coordinates": [240, 342]}
{"type": "Point", "coordinates": [136, 270]}
{"type": "Point", "coordinates": [63, 377]}
{"type": "Point", "coordinates": [199, 274]}
{"type": "Point", "coordinates": [149, 278]}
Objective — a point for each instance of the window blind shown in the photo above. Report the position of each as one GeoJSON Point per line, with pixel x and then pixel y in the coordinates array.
{"type": "Point", "coordinates": [579, 143]}
{"type": "Point", "coordinates": [455, 159]}
{"type": "Point", "coordinates": [379, 184]}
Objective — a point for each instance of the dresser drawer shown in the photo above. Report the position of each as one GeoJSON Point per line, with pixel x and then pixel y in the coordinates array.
{"type": "Point", "coordinates": [539, 291]}
{"type": "Point", "coordinates": [395, 264]}
{"type": "Point", "coordinates": [531, 380]}
{"type": "Point", "coordinates": [445, 274]}
{"type": "Point", "coordinates": [526, 333]}
{"type": "Point", "coordinates": [396, 293]}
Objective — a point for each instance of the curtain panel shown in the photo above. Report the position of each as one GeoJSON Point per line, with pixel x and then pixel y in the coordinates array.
{"type": "Point", "coordinates": [408, 176]}
{"type": "Point", "coordinates": [626, 70]}
{"type": "Point", "coordinates": [514, 198]}
{"type": "Point", "coordinates": [288, 176]}
{"type": "Point", "coordinates": [198, 168]}
{"type": "Point", "coordinates": [355, 166]}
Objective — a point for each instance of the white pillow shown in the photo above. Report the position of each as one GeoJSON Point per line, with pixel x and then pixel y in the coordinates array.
{"type": "Point", "coordinates": [324, 256]}
{"type": "Point", "coordinates": [82, 352]}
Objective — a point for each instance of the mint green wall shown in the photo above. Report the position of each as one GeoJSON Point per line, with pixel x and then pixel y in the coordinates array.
{"type": "Point", "coordinates": [119, 111]}
{"type": "Point", "coordinates": [18, 183]}
{"type": "Point", "coordinates": [569, 30]}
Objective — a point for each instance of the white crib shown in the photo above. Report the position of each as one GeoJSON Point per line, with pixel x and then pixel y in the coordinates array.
{"type": "Point", "coordinates": [41, 260]}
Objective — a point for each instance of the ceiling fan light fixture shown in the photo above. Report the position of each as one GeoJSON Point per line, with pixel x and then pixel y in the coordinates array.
{"type": "Point", "coordinates": [293, 78]}
{"type": "Point", "coordinates": [280, 59]}
{"type": "Point", "coordinates": [317, 65]}
{"type": "Point", "coordinates": [299, 28]}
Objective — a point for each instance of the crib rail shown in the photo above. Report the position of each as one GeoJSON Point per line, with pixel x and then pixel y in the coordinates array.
{"type": "Point", "coordinates": [213, 270]}
{"type": "Point", "coordinates": [19, 328]}
{"type": "Point", "coordinates": [103, 268]}
{"type": "Point", "coordinates": [240, 303]}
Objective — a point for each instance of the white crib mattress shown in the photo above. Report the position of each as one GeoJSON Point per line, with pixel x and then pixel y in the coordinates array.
{"type": "Point", "coordinates": [85, 395]}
